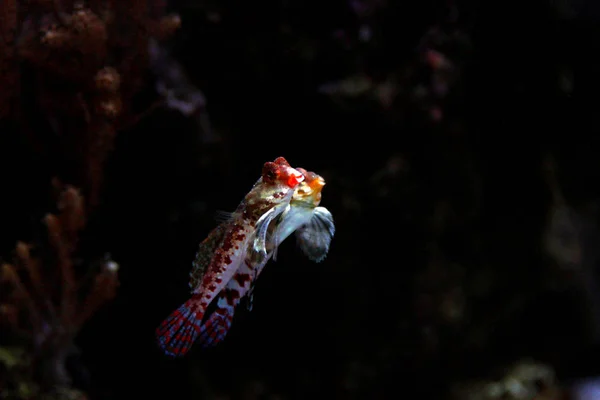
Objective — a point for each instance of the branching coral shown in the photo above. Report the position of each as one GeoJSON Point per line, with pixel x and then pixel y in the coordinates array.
{"type": "Point", "coordinates": [82, 64]}
{"type": "Point", "coordinates": [48, 300]}
{"type": "Point", "coordinates": [69, 71]}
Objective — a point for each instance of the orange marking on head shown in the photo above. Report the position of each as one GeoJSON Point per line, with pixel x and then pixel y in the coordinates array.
{"type": "Point", "coordinates": [280, 170]}
{"type": "Point", "coordinates": [312, 180]}
{"type": "Point", "coordinates": [316, 183]}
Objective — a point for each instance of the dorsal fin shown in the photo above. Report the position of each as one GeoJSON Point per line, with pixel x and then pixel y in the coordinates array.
{"type": "Point", "coordinates": [205, 253]}
{"type": "Point", "coordinates": [223, 216]}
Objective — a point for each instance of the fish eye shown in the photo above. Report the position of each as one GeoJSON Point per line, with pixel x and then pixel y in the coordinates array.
{"type": "Point", "coordinates": [270, 172]}
{"type": "Point", "coordinates": [271, 175]}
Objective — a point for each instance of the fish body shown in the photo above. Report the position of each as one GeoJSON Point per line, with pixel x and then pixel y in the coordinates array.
{"type": "Point", "coordinates": [220, 255]}
{"type": "Point", "coordinates": [314, 229]}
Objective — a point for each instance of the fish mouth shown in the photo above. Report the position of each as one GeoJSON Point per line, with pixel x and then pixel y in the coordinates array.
{"type": "Point", "coordinates": [317, 183]}
{"type": "Point", "coordinates": [310, 190]}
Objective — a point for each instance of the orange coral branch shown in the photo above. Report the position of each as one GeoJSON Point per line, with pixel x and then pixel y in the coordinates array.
{"type": "Point", "coordinates": [87, 61]}
{"type": "Point", "coordinates": [62, 234]}
{"type": "Point", "coordinates": [103, 289]}
{"type": "Point", "coordinates": [24, 257]}
{"type": "Point", "coordinates": [72, 213]}
{"type": "Point", "coordinates": [65, 265]}
{"type": "Point", "coordinates": [9, 274]}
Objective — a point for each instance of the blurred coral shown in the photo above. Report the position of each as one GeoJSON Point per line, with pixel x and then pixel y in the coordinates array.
{"type": "Point", "coordinates": [48, 299]}
{"type": "Point", "coordinates": [525, 380]}
{"type": "Point", "coordinates": [69, 71]}
{"type": "Point", "coordinates": [424, 80]}
{"type": "Point", "coordinates": [81, 64]}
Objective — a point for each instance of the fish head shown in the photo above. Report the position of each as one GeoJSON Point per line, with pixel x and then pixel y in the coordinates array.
{"type": "Point", "coordinates": [278, 181]}
{"type": "Point", "coordinates": [268, 199]}
{"type": "Point", "coordinates": [280, 173]}
{"type": "Point", "coordinates": [309, 190]}
{"type": "Point", "coordinates": [275, 186]}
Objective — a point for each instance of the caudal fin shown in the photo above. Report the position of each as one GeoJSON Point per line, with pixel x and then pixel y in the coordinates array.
{"type": "Point", "coordinates": [214, 330]}
{"type": "Point", "coordinates": [178, 332]}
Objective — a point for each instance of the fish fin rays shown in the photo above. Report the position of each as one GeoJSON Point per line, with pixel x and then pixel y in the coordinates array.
{"type": "Point", "coordinates": [178, 332]}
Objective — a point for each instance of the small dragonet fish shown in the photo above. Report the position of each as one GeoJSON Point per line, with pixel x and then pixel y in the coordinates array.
{"type": "Point", "coordinates": [314, 229]}
{"type": "Point", "coordinates": [227, 246]}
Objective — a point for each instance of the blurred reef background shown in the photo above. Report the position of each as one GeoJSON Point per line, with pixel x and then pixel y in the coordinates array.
{"type": "Point", "coordinates": [459, 144]}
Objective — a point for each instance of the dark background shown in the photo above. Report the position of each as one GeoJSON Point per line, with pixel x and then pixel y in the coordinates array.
{"type": "Point", "coordinates": [437, 273]}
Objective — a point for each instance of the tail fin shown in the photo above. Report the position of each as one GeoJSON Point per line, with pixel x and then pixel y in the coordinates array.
{"type": "Point", "coordinates": [214, 330]}
{"type": "Point", "coordinates": [178, 332]}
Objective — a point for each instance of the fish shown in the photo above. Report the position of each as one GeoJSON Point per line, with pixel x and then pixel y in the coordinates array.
{"type": "Point", "coordinates": [225, 249]}
{"type": "Point", "coordinates": [314, 229]}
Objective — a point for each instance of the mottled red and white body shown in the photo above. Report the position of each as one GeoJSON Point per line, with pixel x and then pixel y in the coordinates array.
{"type": "Point", "coordinates": [220, 255]}
{"type": "Point", "coordinates": [314, 229]}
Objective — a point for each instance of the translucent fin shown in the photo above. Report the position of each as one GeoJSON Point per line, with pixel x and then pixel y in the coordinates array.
{"type": "Point", "coordinates": [223, 216]}
{"type": "Point", "coordinates": [259, 246]}
{"type": "Point", "coordinates": [250, 299]}
{"type": "Point", "coordinates": [315, 237]}
{"type": "Point", "coordinates": [275, 241]}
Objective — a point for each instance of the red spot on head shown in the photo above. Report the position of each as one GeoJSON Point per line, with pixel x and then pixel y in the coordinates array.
{"type": "Point", "coordinates": [281, 171]}
{"type": "Point", "coordinates": [291, 177]}
{"type": "Point", "coordinates": [294, 179]}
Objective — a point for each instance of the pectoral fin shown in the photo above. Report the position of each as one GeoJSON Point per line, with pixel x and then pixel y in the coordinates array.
{"type": "Point", "coordinates": [315, 237]}
{"type": "Point", "coordinates": [259, 245]}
